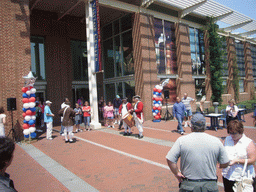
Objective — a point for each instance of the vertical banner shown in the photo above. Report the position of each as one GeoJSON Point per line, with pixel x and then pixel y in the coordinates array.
{"type": "Point", "coordinates": [96, 34]}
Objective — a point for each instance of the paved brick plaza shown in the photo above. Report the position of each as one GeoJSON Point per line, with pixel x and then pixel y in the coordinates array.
{"type": "Point", "coordinates": [103, 160]}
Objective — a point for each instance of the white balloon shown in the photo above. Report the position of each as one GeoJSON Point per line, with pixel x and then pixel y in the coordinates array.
{"type": "Point", "coordinates": [154, 114]}
{"type": "Point", "coordinates": [32, 129]}
{"type": "Point", "coordinates": [154, 96]}
{"type": "Point", "coordinates": [28, 117]}
{"type": "Point", "coordinates": [157, 86]}
{"type": "Point", "coordinates": [28, 92]}
{"type": "Point", "coordinates": [33, 90]}
{"type": "Point", "coordinates": [160, 87]}
{"type": "Point", "coordinates": [161, 105]}
{"type": "Point", "coordinates": [26, 105]}
{"type": "Point", "coordinates": [26, 131]}
{"type": "Point", "coordinates": [33, 117]}
{"type": "Point", "coordinates": [32, 104]}
{"type": "Point", "coordinates": [156, 105]}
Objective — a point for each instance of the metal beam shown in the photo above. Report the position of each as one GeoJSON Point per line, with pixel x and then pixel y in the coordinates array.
{"type": "Point", "coordinates": [237, 26]}
{"type": "Point", "coordinates": [188, 10]}
{"type": "Point", "coordinates": [70, 9]}
{"type": "Point", "coordinates": [246, 34]}
{"type": "Point", "coordinates": [146, 3]}
{"type": "Point", "coordinates": [223, 15]}
{"type": "Point", "coordinates": [33, 6]}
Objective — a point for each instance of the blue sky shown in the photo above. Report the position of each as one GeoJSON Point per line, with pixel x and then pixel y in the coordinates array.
{"type": "Point", "coordinates": [246, 7]}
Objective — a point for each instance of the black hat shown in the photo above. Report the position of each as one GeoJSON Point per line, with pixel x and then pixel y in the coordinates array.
{"type": "Point", "coordinates": [136, 96]}
{"type": "Point", "coordinates": [125, 98]}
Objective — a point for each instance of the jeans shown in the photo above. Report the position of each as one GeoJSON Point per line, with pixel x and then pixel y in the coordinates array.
{"type": "Point", "coordinates": [180, 120]}
{"type": "Point", "coordinates": [87, 121]}
{"type": "Point", "coordinates": [62, 129]}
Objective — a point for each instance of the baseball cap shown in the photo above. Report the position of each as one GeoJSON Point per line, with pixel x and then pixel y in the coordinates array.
{"type": "Point", "coordinates": [48, 102]}
{"type": "Point", "coordinates": [117, 96]}
{"type": "Point", "coordinates": [198, 119]}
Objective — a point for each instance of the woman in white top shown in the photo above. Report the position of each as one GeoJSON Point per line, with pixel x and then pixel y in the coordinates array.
{"type": "Point", "coordinates": [232, 111]}
{"type": "Point", "coordinates": [239, 148]}
{"type": "Point", "coordinates": [2, 122]}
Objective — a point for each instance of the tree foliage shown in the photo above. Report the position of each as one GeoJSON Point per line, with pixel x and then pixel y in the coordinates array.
{"type": "Point", "coordinates": [216, 61]}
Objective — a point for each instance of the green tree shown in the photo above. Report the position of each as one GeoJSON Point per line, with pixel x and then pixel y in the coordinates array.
{"type": "Point", "coordinates": [216, 61]}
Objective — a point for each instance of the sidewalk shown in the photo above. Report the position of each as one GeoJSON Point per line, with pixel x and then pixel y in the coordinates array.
{"type": "Point", "coordinates": [103, 160]}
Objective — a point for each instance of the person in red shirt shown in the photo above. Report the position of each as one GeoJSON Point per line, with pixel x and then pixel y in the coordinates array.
{"type": "Point", "coordinates": [87, 115]}
{"type": "Point", "coordinates": [138, 115]}
{"type": "Point", "coordinates": [123, 110]}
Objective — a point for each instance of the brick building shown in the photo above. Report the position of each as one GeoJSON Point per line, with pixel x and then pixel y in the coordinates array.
{"type": "Point", "coordinates": [143, 43]}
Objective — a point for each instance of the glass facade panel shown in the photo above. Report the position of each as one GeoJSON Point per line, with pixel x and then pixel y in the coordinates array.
{"type": "Point", "coordinates": [224, 58]}
{"type": "Point", "coordinates": [107, 31]}
{"type": "Point", "coordinates": [120, 89]}
{"type": "Point", "coordinates": [127, 51]}
{"type": "Point", "coordinates": [126, 22]}
{"type": "Point", "coordinates": [79, 60]}
{"type": "Point", "coordinates": [165, 47]}
{"type": "Point", "coordinates": [197, 51]}
{"type": "Point", "coordinates": [200, 88]}
{"type": "Point", "coordinates": [118, 60]}
{"type": "Point", "coordinates": [224, 86]}
{"type": "Point", "coordinates": [253, 53]}
{"type": "Point", "coordinates": [38, 57]}
{"type": "Point", "coordinates": [129, 87]}
{"type": "Point", "coordinates": [240, 58]}
{"type": "Point", "coordinates": [108, 56]}
{"type": "Point", "coordinates": [110, 92]}
{"type": "Point", "coordinates": [241, 86]}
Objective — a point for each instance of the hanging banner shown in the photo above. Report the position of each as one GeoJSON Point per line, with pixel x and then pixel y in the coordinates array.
{"type": "Point", "coordinates": [96, 33]}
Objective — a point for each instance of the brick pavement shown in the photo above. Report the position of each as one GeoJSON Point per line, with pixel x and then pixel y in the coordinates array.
{"type": "Point", "coordinates": [107, 161]}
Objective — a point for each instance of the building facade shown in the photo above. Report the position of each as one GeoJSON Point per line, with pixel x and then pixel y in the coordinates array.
{"type": "Point", "coordinates": [142, 44]}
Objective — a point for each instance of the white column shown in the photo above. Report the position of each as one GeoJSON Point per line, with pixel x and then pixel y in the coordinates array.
{"type": "Point", "coordinates": [91, 67]}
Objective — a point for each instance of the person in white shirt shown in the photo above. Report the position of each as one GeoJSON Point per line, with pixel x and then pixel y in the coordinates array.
{"type": "Point", "coordinates": [63, 105]}
{"type": "Point", "coordinates": [232, 111]}
{"type": "Point", "coordinates": [188, 114]}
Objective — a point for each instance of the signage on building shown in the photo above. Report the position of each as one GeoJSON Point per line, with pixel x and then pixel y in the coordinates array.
{"type": "Point", "coordinates": [96, 33]}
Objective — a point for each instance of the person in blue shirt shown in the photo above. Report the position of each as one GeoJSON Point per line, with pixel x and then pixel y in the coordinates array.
{"type": "Point", "coordinates": [48, 119]}
{"type": "Point", "coordinates": [178, 112]}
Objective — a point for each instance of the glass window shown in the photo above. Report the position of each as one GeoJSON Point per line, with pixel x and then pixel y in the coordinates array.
{"type": "Point", "coordinates": [119, 86]}
{"type": "Point", "coordinates": [200, 88]}
{"type": "Point", "coordinates": [128, 63]}
{"type": "Point", "coordinates": [129, 87]}
{"type": "Point", "coordinates": [107, 31]}
{"type": "Point", "coordinates": [253, 53]}
{"type": "Point", "coordinates": [37, 57]}
{"type": "Point", "coordinates": [224, 86]}
{"type": "Point", "coordinates": [165, 47]}
{"type": "Point", "coordinates": [79, 60]}
{"type": "Point", "coordinates": [240, 58]}
{"type": "Point", "coordinates": [224, 58]}
{"type": "Point", "coordinates": [108, 55]}
{"type": "Point", "coordinates": [197, 51]}
{"type": "Point", "coordinates": [118, 60]}
{"type": "Point", "coordinates": [110, 92]}
{"type": "Point", "coordinates": [126, 22]}
{"type": "Point", "coordinates": [241, 86]}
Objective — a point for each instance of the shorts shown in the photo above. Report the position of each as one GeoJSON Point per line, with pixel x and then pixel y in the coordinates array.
{"type": "Point", "coordinates": [188, 113]}
{"type": "Point", "coordinates": [78, 122]}
{"type": "Point", "coordinates": [116, 111]}
{"type": "Point", "coordinates": [110, 117]}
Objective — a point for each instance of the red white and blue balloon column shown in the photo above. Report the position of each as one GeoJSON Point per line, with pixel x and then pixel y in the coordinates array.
{"type": "Point", "coordinates": [157, 102]}
{"type": "Point", "coordinates": [29, 110]}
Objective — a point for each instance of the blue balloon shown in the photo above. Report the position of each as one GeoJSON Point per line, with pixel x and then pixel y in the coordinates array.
{"type": "Point", "coordinates": [153, 110]}
{"type": "Point", "coordinates": [155, 93]}
{"type": "Point", "coordinates": [24, 109]}
{"type": "Point", "coordinates": [160, 93]}
{"type": "Point", "coordinates": [159, 102]}
{"type": "Point", "coordinates": [156, 111]}
{"type": "Point", "coordinates": [24, 121]}
{"type": "Point", "coordinates": [26, 136]}
{"type": "Point", "coordinates": [32, 95]}
{"type": "Point", "coordinates": [33, 135]}
{"type": "Point", "coordinates": [33, 109]}
{"type": "Point", "coordinates": [31, 122]}
{"type": "Point", "coordinates": [25, 95]}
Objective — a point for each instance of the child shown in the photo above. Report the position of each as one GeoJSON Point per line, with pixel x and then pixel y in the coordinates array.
{"type": "Point", "coordinates": [87, 115]}
{"type": "Point", "coordinates": [109, 114]}
{"type": "Point", "coordinates": [78, 118]}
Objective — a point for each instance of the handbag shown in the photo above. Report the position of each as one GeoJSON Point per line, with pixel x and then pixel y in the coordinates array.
{"type": "Point", "coordinates": [245, 185]}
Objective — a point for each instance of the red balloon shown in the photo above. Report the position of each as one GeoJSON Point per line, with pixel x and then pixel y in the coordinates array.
{"type": "Point", "coordinates": [33, 113]}
{"type": "Point", "coordinates": [24, 114]}
{"type": "Point", "coordinates": [161, 99]}
{"type": "Point", "coordinates": [157, 117]}
{"type": "Point", "coordinates": [159, 108]}
{"type": "Point", "coordinates": [155, 89]}
{"type": "Point", "coordinates": [153, 98]}
{"type": "Point", "coordinates": [32, 125]}
{"type": "Point", "coordinates": [32, 99]}
{"type": "Point", "coordinates": [159, 90]}
{"type": "Point", "coordinates": [158, 114]}
{"type": "Point", "coordinates": [157, 99]}
{"type": "Point", "coordinates": [24, 89]}
{"type": "Point", "coordinates": [25, 126]}
{"type": "Point", "coordinates": [154, 108]}
{"type": "Point", "coordinates": [25, 100]}
{"type": "Point", "coordinates": [28, 112]}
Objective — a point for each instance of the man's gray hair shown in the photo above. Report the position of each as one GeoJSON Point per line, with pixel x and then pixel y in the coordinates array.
{"type": "Point", "coordinates": [198, 122]}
